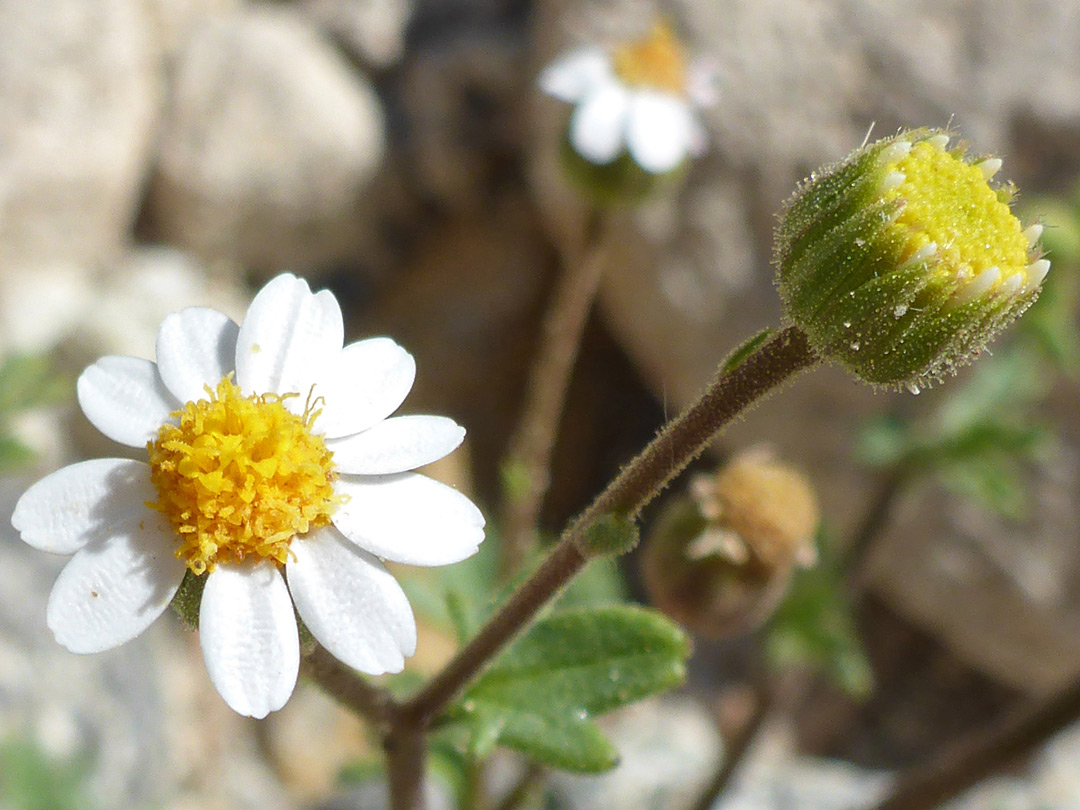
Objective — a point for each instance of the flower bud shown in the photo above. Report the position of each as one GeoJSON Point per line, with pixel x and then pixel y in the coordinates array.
{"type": "Point", "coordinates": [904, 260]}
{"type": "Point", "coordinates": [719, 560]}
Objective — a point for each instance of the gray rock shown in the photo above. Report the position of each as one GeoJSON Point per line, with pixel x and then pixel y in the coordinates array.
{"type": "Point", "coordinates": [78, 98]}
{"type": "Point", "coordinates": [374, 29]}
{"type": "Point", "coordinates": [668, 749]}
{"type": "Point", "coordinates": [269, 142]}
{"type": "Point", "coordinates": [174, 20]}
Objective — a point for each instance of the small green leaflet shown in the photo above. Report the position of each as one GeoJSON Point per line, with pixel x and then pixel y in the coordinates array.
{"type": "Point", "coordinates": [540, 696]}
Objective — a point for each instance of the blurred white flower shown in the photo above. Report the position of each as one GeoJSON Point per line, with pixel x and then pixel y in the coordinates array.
{"type": "Point", "coordinates": [641, 97]}
{"type": "Point", "coordinates": [275, 471]}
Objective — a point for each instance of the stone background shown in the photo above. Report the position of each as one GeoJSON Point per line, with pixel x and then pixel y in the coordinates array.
{"type": "Point", "coordinates": [161, 153]}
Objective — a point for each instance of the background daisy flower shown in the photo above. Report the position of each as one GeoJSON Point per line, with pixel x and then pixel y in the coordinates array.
{"type": "Point", "coordinates": [640, 97]}
{"type": "Point", "coordinates": [276, 472]}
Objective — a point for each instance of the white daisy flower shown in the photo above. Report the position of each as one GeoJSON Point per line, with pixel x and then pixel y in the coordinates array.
{"type": "Point", "coordinates": [276, 470]}
{"type": "Point", "coordinates": [640, 97]}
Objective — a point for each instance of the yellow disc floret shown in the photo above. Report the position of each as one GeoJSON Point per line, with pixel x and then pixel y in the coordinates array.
{"type": "Point", "coordinates": [951, 212]}
{"type": "Point", "coordinates": [657, 61]}
{"type": "Point", "coordinates": [239, 477]}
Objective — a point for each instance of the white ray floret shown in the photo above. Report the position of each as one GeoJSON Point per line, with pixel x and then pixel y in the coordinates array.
{"type": "Point", "coordinates": [1012, 285]}
{"type": "Point", "coordinates": [896, 151]}
{"type": "Point", "coordinates": [1033, 233]}
{"type": "Point", "coordinates": [980, 285]}
{"type": "Point", "coordinates": [1036, 274]}
{"type": "Point", "coordinates": [989, 167]}
{"type": "Point", "coordinates": [927, 251]}
{"type": "Point", "coordinates": [893, 179]}
{"type": "Point", "coordinates": [941, 141]}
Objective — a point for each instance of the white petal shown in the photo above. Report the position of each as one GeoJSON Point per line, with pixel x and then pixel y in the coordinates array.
{"type": "Point", "coordinates": [703, 83]}
{"type": "Point", "coordinates": [396, 445]}
{"type": "Point", "coordinates": [571, 77]}
{"type": "Point", "coordinates": [351, 603]}
{"type": "Point", "coordinates": [408, 518]}
{"type": "Point", "coordinates": [659, 131]}
{"type": "Point", "coordinates": [64, 511]}
{"type": "Point", "coordinates": [248, 635]}
{"type": "Point", "coordinates": [369, 381]}
{"type": "Point", "coordinates": [288, 337]}
{"type": "Point", "coordinates": [196, 347]}
{"type": "Point", "coordinates": [598, 125]}
{"type": "Point", "coordinates": [125, 399]}
{"type": "Point", "coordinates": [116, 586]}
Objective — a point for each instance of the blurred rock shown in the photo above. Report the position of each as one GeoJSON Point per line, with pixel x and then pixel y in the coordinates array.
{"type": "Point", "coordinates": [312, 740]}
{"type": "Point", "coordinates": [772, 778]}
{"type": "Point", "coordinates": [668, 750]}
{"type": "Point", "coordinates": [465, 305]}
{"type": "Point", "coordinates": [1001, 593]}
{"type": "Point", "coordinates": [131, 297]}
{"type": "Point", "coordinates": [374, 29]}
{"type": "Point", "coordinates": [78, 101]}
{"type": "Point", "coordinates": [41, 305]}
{"type": "Point", "coordinates": [174, 20]}
{"type": "Point", "coordinates": [374, 795]}
{"type": "Point", "coordinates": [269, 142]}
{"type": "Point", "coordinates": [462, 96]}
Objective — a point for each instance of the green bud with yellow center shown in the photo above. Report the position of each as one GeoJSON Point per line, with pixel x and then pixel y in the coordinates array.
{"type": "Point", "coordinates": [904, 260]}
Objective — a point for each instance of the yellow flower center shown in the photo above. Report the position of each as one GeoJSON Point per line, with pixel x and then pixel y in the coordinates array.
{"type": "Point", "coordinates": [951, 212]}
{"type": "Point", "coordinates": [657, 61]}
{"type": "Point", "coordinates": [240, 477]}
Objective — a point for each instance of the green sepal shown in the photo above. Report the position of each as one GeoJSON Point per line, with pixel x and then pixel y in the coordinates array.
{"type": "Point", "coordinates": [609, 535]}
{"type": "Point", "coordinates": [617, 184]}
{"type": "Point", "coordinates": [743, 351]}
{"type": "Point", "coordinates": [188, 598]}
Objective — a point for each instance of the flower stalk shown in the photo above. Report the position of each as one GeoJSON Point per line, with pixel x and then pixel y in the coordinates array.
{"type": "Point", "coordinates": [775, 362]}
{"type": "Point", "coordinates": [527, 471]}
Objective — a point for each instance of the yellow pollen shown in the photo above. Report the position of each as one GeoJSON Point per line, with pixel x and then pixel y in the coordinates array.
{"type": "Point", "coordinates": [949, 203]}
{"type": "Point", "coordinates": [240, 477]}
{"type": "Point", "coordinates": [657, 61]}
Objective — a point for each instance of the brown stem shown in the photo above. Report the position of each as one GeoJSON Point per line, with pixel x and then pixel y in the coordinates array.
{"type": "Point", "coordinates": [406, 752]}
{"type": "Point", "coordinates": [735, 751]}
{"type": "Point", "coordinates": [523, 788]}
{"type": "Point", "coordinates": [348, 688]}
{"type": "Point", "coordinates": [859, 551]}
{"type": "Point", "coordinates": [984, 752]}
{"type": "Point", "coordinates": [528, 464]}
{"type": "Point", "coordinates": [772, 364]}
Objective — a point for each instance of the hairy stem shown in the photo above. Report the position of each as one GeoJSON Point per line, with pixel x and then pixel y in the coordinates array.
{"type": "Point", "coordinates": [784, 355]}
{"type": "Point", "coordinates": [528, 465]}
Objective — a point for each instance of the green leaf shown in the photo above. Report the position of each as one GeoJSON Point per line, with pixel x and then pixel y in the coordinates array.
{"type": "Point", "coordinates": [600, 584]}
{"type": "Point", "coordinates": [567, 742]}
{"type": "Point", "coordinates": [32, 780]}
{"type": "Point", "coordinates": [539, 696]}
{"type": "Point", "coordinates": [26, 381]}
{"type": "Point", "coordinates": [13, 453]}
